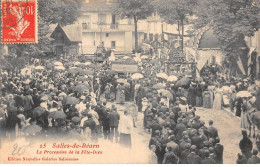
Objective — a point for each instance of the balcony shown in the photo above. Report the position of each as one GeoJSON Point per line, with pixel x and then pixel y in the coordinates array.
{"type": "Point", "coordinates": [108, 27]}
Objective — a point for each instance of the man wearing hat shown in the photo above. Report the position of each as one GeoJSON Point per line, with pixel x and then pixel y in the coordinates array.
{"type": "Point", "coordinates": [193, 158]}
{"type": "Point", "coordinates": [113, 118]}
{"type": "Point", "coordinates": [192, 94]}
{"type": "Point", "coordinates": [90, 123]}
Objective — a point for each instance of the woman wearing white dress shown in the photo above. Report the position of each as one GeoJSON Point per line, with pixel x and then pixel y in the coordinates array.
{"type": "Point", "coordinates": [217, 104]}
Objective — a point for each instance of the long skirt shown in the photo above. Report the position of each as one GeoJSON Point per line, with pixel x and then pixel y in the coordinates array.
{"type": "Point", "coordinates": [217, 104]}
{"type": "Point", "coordinates": [120, 97]}
{"type": "Point", "coordinates": [199, 101]}
{"type": "Point", "coordinates": [125, 140]}
{"type": "Point", "coordinates": [207, 101]}
{"type": "Point", "coordinates": [244, 122]}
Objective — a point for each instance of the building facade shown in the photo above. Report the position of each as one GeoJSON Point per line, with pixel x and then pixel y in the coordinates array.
{"type": "Point", "coordinates": [101, 27]}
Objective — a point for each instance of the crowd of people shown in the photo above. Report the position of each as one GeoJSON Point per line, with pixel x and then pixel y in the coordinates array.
{"type": "Point", "coordinates": [73, 98]}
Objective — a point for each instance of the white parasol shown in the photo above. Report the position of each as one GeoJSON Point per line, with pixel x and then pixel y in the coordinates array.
{"type": "Point", "coordinates": [58, 63]}
{"type": "Point", "coordinates": [162, 75]}
{"type": "Point", "coordinates": [172, 78]}
{"type": "Point", "coordinates": [59, 68]}
{"type": "Point", "coordinates": [39, 68]}
{"type": "Point", "coordinates": [137, 76]}
{"type": "Point", "coordinates": [244, 94]}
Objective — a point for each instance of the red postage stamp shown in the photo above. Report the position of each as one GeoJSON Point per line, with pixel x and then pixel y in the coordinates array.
{"type": "Point", "coordinates": [19, 21]}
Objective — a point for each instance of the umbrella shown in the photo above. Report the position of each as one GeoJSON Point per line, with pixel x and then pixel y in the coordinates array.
{"type": "Point", "coordinates": [183, 82]}
{"type": "Point", "coordinates": [158, 86]}
{"type": "Point", "coordinates": [244, 94]}
{"type": "Point", "coordinates": [77, 63]}
{"type": "Point", "coordinates": [121, 80]}
{"type": "Point", "coordinates": [39, 68]}
{"type": "Point", "coordinates": [82, 78]}
{"type": "Point", "coordinates": [57, 115]}
{"type": "Point", "coordinates": [75, 119]}
{"type": "Point", "coordinates": [144, 57]}
{"type": "Point", "coordinates": [32, 129]}
{"type": "Point", "coordinates": [162, 75]}
{"type": "Point", "coordinates": [59, 68]}
{"type": "Point", "coordinates": [166, 93]}
{"type": "Point", "coordinates": [62, 94]}
{"type": "Point", "coordinates": [87, 63]}
{"type": "Point", "coordinates": [72, 100]}
{"type": "Point", "coordinates": [81, 88]}
{"type": "Point", "coordinates": [137, 76]}
{"type": "Point", "coordinates": [38, 111]}
{"type": "Point", "coordinates": [25, 71]}
{"type": "Point", "coordinates": [58, 63]}
{"type": "Point", "coordinates": [172, 78]}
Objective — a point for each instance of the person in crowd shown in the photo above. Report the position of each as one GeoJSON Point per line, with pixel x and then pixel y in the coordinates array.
{"type": "Point", "coordinates": [217, 104]}
{"type": "Point", "coordinates": [113, 118]}
{"type": "Point", "coordinates": [152, 158]}
{"type": "Point", "coordinates": [254, 159]}
{"type": "Point", "coordinates": [125, 128]}
{"type": "Point", "coordinates": [246, 145]}
{"type": "Point", "coordinates": [170, 157]}
{"type": "Point", "coordinates": [90, 123]}
{"type": "Point", "coordinates": [192, 94]}
{"type": "Point", "coordinates": [241, 159]}
{"type": "Point", "coordinates": [199, 98]}
{"type": "Point", "coordinates": [212, 131]}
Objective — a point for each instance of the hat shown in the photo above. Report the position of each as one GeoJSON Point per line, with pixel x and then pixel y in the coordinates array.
{"type": "Point", "coordinates": [193, 148]}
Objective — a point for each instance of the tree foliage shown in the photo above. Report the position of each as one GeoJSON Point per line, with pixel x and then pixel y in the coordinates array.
{"type": "Point", "coordinates": [231, 21]}
{"type": "Point", "coordinates": [175, 11]}
{"type": "Point", "coordinates": [136, 9]}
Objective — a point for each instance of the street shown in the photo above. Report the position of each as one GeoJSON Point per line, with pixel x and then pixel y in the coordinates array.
{"type": "Point", "coordinates": [228, 130]}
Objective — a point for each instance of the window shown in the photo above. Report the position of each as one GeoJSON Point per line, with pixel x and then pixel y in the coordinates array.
{"type": "Point", "coordinates": [107, 34]}
{"type": "Point", "coordinates": [102, 18]}
{"type": "Point", "coordinates": [113, 44]}
{"type": "Point", "coordinates": [84, 26]}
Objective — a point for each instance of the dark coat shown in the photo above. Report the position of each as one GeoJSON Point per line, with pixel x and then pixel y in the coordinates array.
{"type": "Point", "coordinates": [193, 158]}
{"type": "Point", "coordinates": [212, 132]}
{"type": "Point", "coordinates": [113, 118]}
{"type": "Point", "coordinates": [170, 158]}
{"type": "Point", "coordinates": [219, 153]}
{"type": "Point", "coordinates": [253, 160]}
{"type": "Point", "coordinates": [208, 160]}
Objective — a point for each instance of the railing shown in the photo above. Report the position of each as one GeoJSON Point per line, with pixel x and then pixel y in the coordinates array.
{"type": "Point", "coordinates": [108, 26]}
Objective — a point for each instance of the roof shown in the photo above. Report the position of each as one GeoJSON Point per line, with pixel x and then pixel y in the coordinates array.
{"type": "Point", "coordinates": [98, 7]}
{"type": "Point", "coordinates": [72, 32]}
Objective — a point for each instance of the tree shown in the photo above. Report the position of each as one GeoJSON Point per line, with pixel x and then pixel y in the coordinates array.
{"type": "Point", "coordinates": [175, 11]}
{"type": "Point", "coordinates": [231, 21]}
{"type": "Point", "coordinates": [63, 12]}
{"type": "Point", "coordinates": [135, 9]}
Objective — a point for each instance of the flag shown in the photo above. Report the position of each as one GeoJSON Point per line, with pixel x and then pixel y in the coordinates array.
{"type": "Point", "coordinates": [249, 60]}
